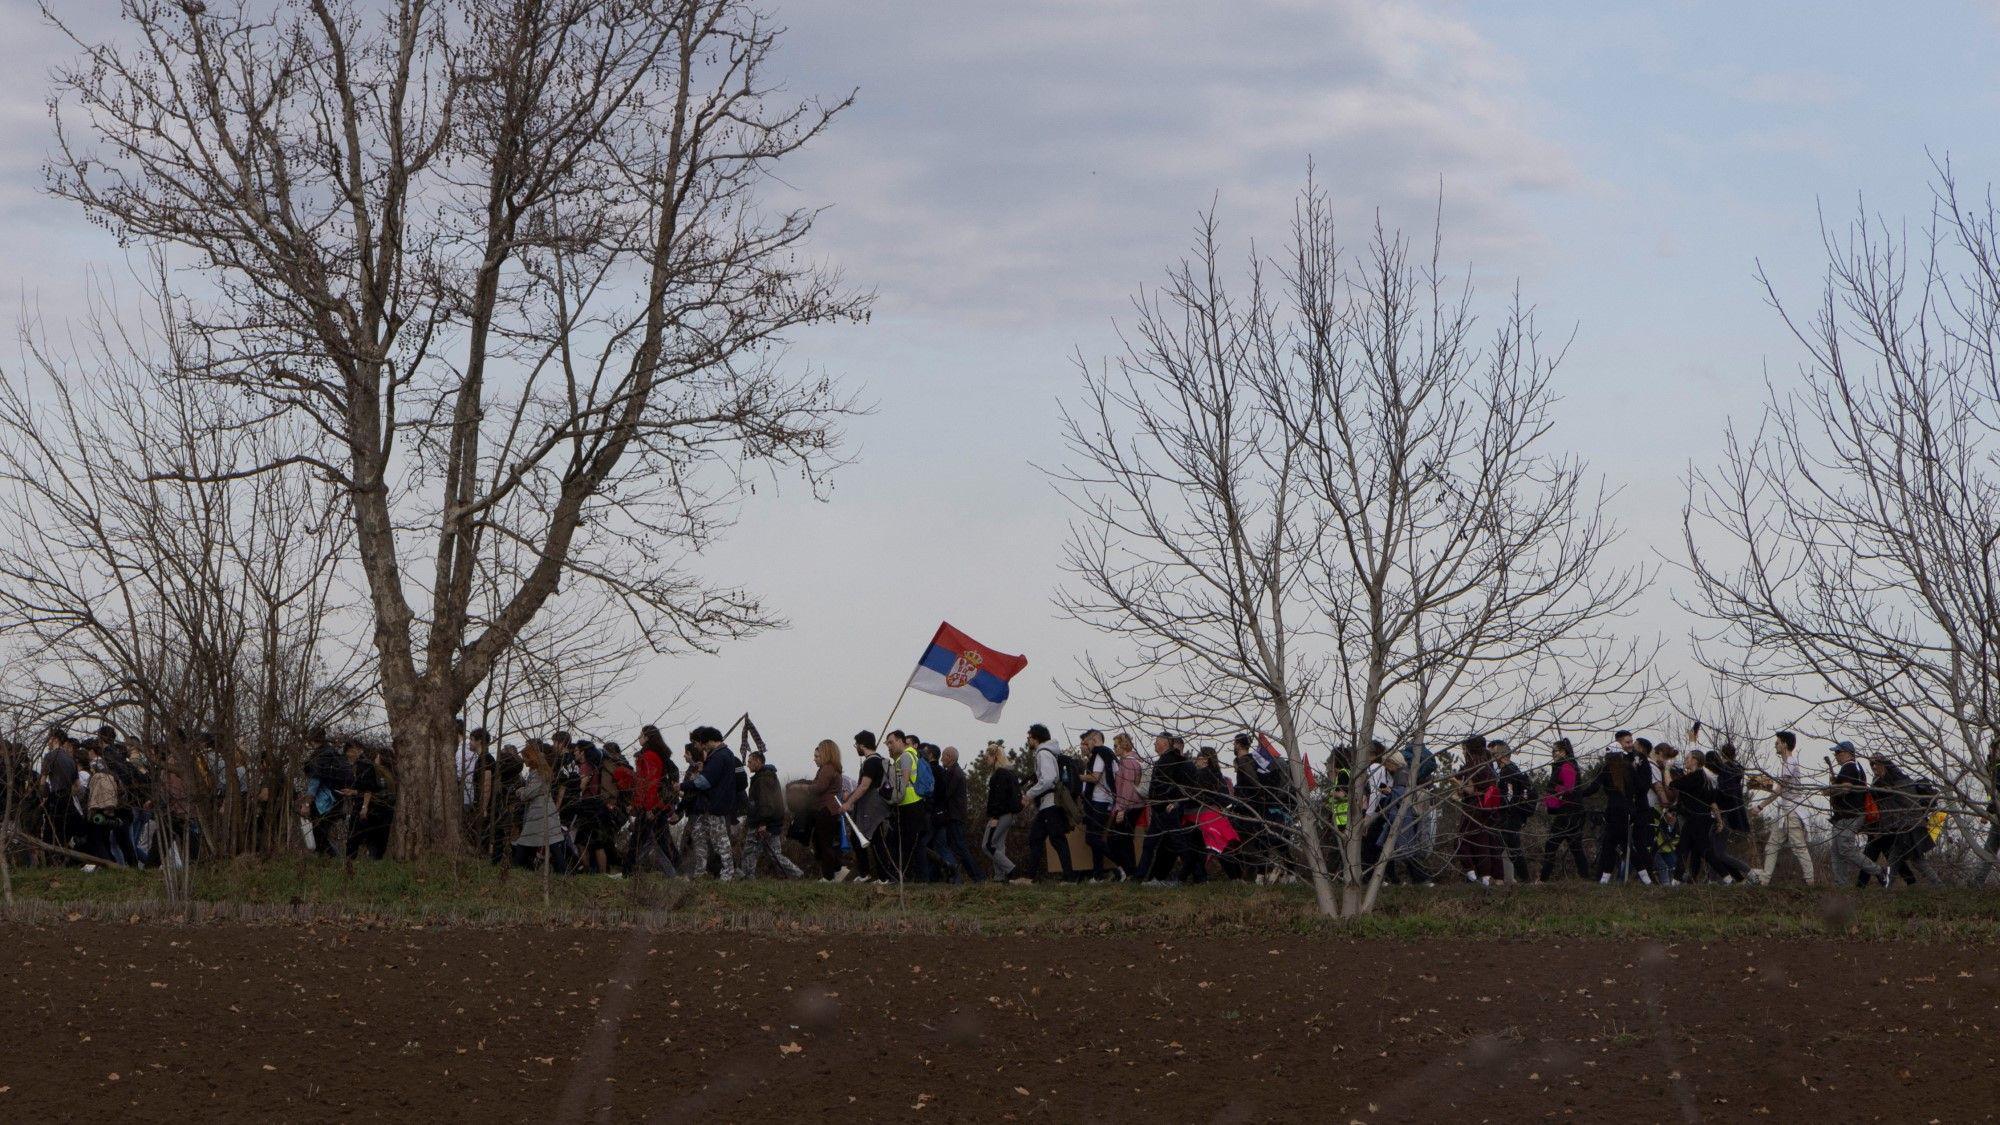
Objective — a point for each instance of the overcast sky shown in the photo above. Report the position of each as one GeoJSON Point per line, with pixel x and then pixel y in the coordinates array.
{"type": "Point", "coordinates": [1012, 172]}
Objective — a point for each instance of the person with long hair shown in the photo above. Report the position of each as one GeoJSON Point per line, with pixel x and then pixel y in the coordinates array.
{"type": "Point", "coordinates": [1565, 811]}
{"type": "Point", "coordinates": [824, 801]}
{"type": "Point", "coordinates": [1695, 805]}
{"type": "Point", "coordinates": [1478, 848]}
{"type": "Point", "coordinates": [656, 781]}
{"type": "Point", "coordinates": [541, 838]}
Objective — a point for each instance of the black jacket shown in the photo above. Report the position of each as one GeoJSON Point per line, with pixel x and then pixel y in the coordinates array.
{"type": "Point", "coordinates": [1516, 795]}
{"type": "Point", "coordinates": [1693, 795]}
{"type": "Point", "coordinates": [767, 800]}
{"type": "Point", "coordinates": [1003, 794]}
{"type": "Point", "coordinates": [1850, 792]}
{"type": "Point", "coordinates": [1173, 779]}
{"type": "Point", "coordinates": [948, 795]}
{"type": "Point", "coordinates": [1729, 796]}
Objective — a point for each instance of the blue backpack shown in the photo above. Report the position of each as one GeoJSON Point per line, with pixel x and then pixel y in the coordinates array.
{"type": "Point", "coordinates": [926, 780]}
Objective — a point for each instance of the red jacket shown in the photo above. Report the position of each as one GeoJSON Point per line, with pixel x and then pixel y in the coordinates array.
{"type": "Point", "coordinates": [646, 798]}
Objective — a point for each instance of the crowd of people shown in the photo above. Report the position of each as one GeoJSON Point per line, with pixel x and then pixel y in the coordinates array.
{"type": "Point", "coordinates": [909, 810]}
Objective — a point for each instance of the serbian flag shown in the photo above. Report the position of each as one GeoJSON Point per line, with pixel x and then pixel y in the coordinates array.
{"type": "Point", "coordinates": [1268, 754]}
{"type": "Point", "coordinates": [958, 667]}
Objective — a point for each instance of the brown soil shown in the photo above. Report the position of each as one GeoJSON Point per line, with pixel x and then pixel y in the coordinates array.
{"type": "Point", "coordinates": [154, 1023]}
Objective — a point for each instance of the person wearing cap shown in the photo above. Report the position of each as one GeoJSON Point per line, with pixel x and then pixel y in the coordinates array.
{"type": "Point", "coordinates": [1847, 795]}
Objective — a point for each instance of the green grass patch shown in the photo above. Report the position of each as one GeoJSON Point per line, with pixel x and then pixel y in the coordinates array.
{"type": "Point", "coordinates": [466, 892]}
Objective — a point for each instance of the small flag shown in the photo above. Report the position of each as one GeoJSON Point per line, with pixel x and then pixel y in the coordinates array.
{"type": "Point", "coordinates": [958, 667]}
{"type": "Point", "coordinates": [1268, 751]}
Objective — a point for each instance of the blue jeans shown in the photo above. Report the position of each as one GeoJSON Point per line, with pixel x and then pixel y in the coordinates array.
{"type": "Point", "coordinates": [957, 853]}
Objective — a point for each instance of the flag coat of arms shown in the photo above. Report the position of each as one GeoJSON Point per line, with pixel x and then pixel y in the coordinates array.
{"type": "Point", "coordinates": [957, 667]}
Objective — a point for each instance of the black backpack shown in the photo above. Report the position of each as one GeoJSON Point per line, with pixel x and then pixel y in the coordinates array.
{"type": "Point", "coordinates": [1069, 775]}
{"type": "Point", "coordinates": [1923, 793]}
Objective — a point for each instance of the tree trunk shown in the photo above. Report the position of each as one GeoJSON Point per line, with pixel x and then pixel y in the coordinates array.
{"type": "Point", "coordinates": [427, 787]}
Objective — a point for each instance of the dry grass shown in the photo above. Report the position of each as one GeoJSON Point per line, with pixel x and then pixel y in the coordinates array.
{"type": "Point", "coordinates": [468, 893]}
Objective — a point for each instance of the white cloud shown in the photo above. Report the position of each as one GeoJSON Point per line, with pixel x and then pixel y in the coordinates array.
{"type": "Point", "coordinates": [1037, 160]}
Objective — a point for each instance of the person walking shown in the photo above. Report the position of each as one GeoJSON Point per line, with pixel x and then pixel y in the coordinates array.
{"type": "Point", "coordinates": [912, 819]}
{"type": "Point", "coordinates": [1516, 806]}
{"type": "Point", "coordinates": [372, 805]}
{"type": "Point", "coordinates": [823, 798]}
{"type": "Point", "coordinates": [1903, 833]}
{"type": "Point", "coordinates": [104, 811]}
{"type": "Point", "coordinates": [1730, 798]}
{"type": "Point", "coordinates": [1100, 791]}
{"type": "Point", "coordinates": [1169, 811]}
{"type": "Point", "coordinates": [655, 781]}
{"type": "Point", "coordinates": [1624, 778]}
{"type": "Point", "coordinates": [949, 811]}
{"type": "Point", "coordinates": [329, 785]}
{"type": "Point", "coordinates": [865, 809]}
{"type": "Point", "coordinates": [1127, 807]}
{"type": "Point", "coordinates": [1477, 851]}
{"type": "Point", "coordinates": [1049, 828]}
{"type": "Point", "coordinates": [1695, 808]}
{"type": "Point", "coordinates": [541, 839]}
{"type": "Point", "coordinates": [1565, 811]}
{"type": "Point", "coordinates": [712, 803]}
{"type": "Point", "coordinates": [764, 830]}
{"type": "Point", "coordinates": [1847, 796]}
{"type": "Point", "coordinates": [1786, 810]}
{"type": "Point", "coordinates": [1003, 804]}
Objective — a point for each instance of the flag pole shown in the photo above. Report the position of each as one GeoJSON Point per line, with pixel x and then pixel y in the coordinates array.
{"type": "Point", "coordinates": [883, 732]}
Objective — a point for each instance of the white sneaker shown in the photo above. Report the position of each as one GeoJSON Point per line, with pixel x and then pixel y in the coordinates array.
{"type": "Point", "coordinates": [1605, 877]}
{"type": "Point", "coordinates": [842, 875]}
{"type": "Point", "coordinates": [1646, 877]}
{"type": "Point", "coordinates": [1486, 880]}
{"type": "Point", "coordinates": [1471, 878]}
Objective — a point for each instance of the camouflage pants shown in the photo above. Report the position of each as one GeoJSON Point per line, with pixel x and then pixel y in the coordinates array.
{"type": "Point", "coordinates": [708, 832]}
{"type": "Point", "coordinates": [768, 845]}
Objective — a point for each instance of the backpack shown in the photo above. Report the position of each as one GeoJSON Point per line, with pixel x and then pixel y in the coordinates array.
{"type": "Point", "coordinates": [1069, 776]}
{"type": "Point", "coordinates": [1069, 783]}
{"type": "Point", "coordinates": [926, 782]}
{"type": "Point", "coordinates": [1923, 793]}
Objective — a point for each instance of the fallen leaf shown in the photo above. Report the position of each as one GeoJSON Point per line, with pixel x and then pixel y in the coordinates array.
{"type": "Point", "coordinates": [789, 1049]}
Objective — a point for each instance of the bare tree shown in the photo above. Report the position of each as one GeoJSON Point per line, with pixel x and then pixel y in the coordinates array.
{"type": "Point", "coordinates": [1194, 528]}
{"type": "Point", "coordinates": [1330, 506]}
{"type": "Point", "coordinates": [507, 257]}
{"type": "Point", "coordinates": [1847, 550]}
{"type": "Point", "coordinates": [139, 583]}
{"type": "Point", "coordinates": [1459, 562]}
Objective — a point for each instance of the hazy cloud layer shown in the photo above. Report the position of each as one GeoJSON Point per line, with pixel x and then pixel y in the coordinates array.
{"type": "Point", "coordinates": [1030, 160]}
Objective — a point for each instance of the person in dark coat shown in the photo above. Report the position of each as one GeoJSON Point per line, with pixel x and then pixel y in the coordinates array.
{"type": "Point", "coordinates": [948, 818]}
